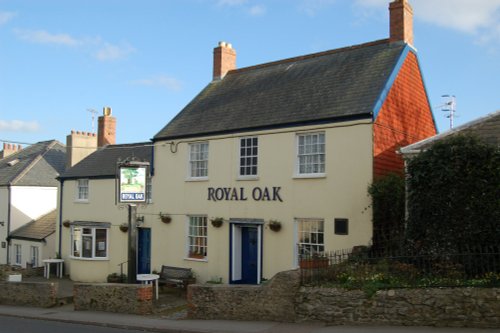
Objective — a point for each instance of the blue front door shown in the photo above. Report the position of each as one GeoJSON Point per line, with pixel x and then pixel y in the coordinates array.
{"type": "Point", "coordinates": [144, 251]}
{"type": "Point", "coordinates": [249, 255]}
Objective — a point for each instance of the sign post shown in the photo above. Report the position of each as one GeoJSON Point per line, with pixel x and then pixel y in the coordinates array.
{"type": "Point", "coordinates": [132, 190]}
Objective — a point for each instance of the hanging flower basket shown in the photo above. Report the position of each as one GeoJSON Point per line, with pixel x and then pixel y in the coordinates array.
{"type": "Point", "coordinates": [165, 218]}
{"type": "Point", "coordinates": [66, 223]}
{"type": "Point", "coordinates": [217, 222]}
{"type": "Point", "coordinates": [124, 227]}
{"type": "Point", "coordinates": [275, 225]}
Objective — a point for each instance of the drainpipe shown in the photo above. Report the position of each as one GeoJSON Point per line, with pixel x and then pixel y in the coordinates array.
{"type": "Point", "coordinates": [60, 217]}
{"type": "Point", "coordinates": [9, 195]}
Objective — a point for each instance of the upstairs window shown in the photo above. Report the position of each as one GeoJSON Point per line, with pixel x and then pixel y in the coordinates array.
{"type": "Point", "coordinates": [311, 154]}
{"type": "Point", "coordinates": [82, 191]}
{"type": "Point", "coordinates": [198, 160]}
{"type": "Point", "coordinates": [248, 156]}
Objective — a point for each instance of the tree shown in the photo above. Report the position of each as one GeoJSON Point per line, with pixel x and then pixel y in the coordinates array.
{"type": "Point", "coordinates": [388, 203]}
{"type": "Point", "coordinates": [454, 196]}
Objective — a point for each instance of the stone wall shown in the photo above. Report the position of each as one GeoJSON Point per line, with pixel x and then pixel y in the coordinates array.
{"type": "Point", "coordinates": [37, 294]}
{"type": "Point", "coordinates": [273, 300]}
{"type": "Point", "coordinates": [113, 297]}
{"type": "Point", "coordinates": [282, 299]}
{"type": "Point", "coordinates": [448, 307]}
{"type": "Point", "coordinates": [6, 270]}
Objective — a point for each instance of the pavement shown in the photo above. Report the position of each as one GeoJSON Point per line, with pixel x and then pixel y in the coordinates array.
{"type": "Point", "coordinates": [170, 316]}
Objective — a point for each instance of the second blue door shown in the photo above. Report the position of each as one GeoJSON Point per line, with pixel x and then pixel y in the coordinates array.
{"type": "Point", "coordinates": [144, 251]}
{"type": "Point", "coordinates": [249, 255]}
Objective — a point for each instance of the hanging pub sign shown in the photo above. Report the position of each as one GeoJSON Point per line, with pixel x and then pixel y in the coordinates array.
{"type": "Point", "coordinates": [132, 182]}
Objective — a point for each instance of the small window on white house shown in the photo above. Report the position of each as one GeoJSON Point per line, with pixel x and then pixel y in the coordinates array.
{"type": "Point", "coordinates": [18, 254]}
{"type": "Point", "coordinates": [34, 256]}
{"type": "Point", "coordinates": [149, 190]}
{"type": "Point", "coordinates": [89, 242]}
{"type": "Point", "coordinates": [197, 237]}
{"type": "Point", "coordinates": [311, 154]}
{"type": "Point", "coordinates": [198, 160]}
{"type": "Point", "coordinates": [249, 156]}
{"type": "Point", "coordinates": [82, 192]}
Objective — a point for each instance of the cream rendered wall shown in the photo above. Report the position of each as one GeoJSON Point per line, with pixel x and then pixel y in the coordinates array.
{"type": "Point", "coordinates": [99, 208]}
{"type": "Point", "coordinates": [46, 250]}
{"type": "Point", "coordinates": [342, 193]}
{"type": "Point", "coordinates": [4, 209]}
{"type": "Point", "coordinates": [30, 202]}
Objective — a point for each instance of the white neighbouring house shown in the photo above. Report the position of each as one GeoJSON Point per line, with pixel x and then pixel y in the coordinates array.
{"type": "Point", "coordinates": [28, 191]}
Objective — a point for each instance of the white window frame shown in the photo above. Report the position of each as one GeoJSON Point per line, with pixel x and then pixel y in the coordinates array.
{"type": "Point", "coordinates": [149, 190]}
{"type": "Point", "coordinates": [198, 161]}
{"type": "Point", "coordinates": [253, 151]}
{"type": "Point", "coordinates": [82, 184]}
{"type": "Point", "coordinates": [196, 242]}
{"type": "Point", "coordinates": [321, 154]}
{"type": "Point", "coordinates": [18, 254]}
{"type": "Point", "coordinates": [34, 255]}
{"type": "Point", "coordinates": [315, 231]}
{"type": "Point", "coordinates": [90, 234]}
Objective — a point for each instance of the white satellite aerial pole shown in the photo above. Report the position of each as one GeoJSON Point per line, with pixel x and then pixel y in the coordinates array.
{"type": "Point", "coordinates": [450, 106]}
{"type": "Point", "coordinates": [93, 112]}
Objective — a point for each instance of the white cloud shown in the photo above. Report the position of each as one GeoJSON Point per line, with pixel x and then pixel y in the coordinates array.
{"type": "Point", "coordinates": [100, 49]}
{"type": "Point", "coordinates": [6, 17]}
{"type": "Point", "coordinates": [475, 17]}
{"type": "Point", "coordinates": [230, 2]}
{"type": "Point", "coordinates": [312, 7]}
{"type": "Point", "coordinates": [257, 10]}
{"type": "Point", "coordinates": [113, 52]}
{"type": "Point", "coordinates": [19, 126]}
{"type": "Point", "coordinates": [164, 81]}
{"type": "Point", "coordinates": [44, 37]}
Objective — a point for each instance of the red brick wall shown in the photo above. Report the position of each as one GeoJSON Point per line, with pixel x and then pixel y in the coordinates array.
{"type": "Point", "coordinates": [405, 118]}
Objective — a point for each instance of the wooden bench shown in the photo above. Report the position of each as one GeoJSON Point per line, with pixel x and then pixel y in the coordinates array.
{"type": "Point", "coordinates": [178, 276]}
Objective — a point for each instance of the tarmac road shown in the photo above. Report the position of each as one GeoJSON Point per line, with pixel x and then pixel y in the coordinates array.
{"type": "Point", "coordinates": [63, 319]}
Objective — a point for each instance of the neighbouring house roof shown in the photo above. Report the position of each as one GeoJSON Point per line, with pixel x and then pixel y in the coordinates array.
{"type": "Point", "coordinates": [103, 162]}
{"type": "Point", "coordinates": [486, 128]}
{"type": "Point", "coordinates": [330, 86]}
{"type": "Point", "coordinates": [38, 229]}
{"type": "Point", "coordinates": [35, 165]}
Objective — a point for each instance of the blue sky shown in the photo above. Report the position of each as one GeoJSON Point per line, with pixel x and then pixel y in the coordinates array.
{"type": "Point", "coordinates": [148, 59]}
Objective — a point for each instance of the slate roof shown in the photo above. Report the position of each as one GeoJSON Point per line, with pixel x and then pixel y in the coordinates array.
{"type": "Point", "coordinates": [35, 165]}
{"type": "Point", "coordinates": [38, 229]}
{"type": "Point", "coordinates": [103, 162]}
{"type": "Point", "coordinates": [323, 87]}
{"type": "Point", "coordinates": [486, 128]}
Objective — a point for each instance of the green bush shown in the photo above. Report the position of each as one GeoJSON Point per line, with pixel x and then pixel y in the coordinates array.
{"type": "Point", "coordinates": [388, 203]}
{"type": "Point", "coordinates": [454, 196]}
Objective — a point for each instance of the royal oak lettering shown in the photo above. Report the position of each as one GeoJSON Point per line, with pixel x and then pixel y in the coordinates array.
{"type": "Point", "coordinates": [239, 194]}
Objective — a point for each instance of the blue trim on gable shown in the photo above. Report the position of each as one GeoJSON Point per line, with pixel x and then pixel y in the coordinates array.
{"type": "Point", "coordinates": [390, 80]}
{"type": "Point", "coordinates": [426, 94]}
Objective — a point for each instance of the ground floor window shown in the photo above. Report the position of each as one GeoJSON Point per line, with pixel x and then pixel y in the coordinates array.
{"type": "Point", "coordinates": [89, 242]}
{"type": "Point", "coordinates": [311, 240]}
{"type": "Point", "coordinates": [197, 237]}
{"type": "Point", "coordinates": [17, 254]}
{"type": "Point", "coordinates": [34, 256]}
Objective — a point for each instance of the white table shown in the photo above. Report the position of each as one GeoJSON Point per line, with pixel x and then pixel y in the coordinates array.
{"type": "Point", "coordinates": [147, 279]}
{"type": "Point", "coordinates": [59, 267]}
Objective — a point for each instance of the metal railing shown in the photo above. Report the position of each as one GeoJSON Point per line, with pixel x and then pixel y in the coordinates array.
{"type": "Point", "coordinates": [478, 266]}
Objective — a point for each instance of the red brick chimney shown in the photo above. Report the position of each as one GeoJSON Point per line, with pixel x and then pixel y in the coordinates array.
{"type": "Point", "coordinates": [401, 16]}
{"type": "Point", "coordinates": [106, 133]}
{"type": "Point", "coordinates": [9, 149]}
{"type": "Point", "coordinates": [224, 60]}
